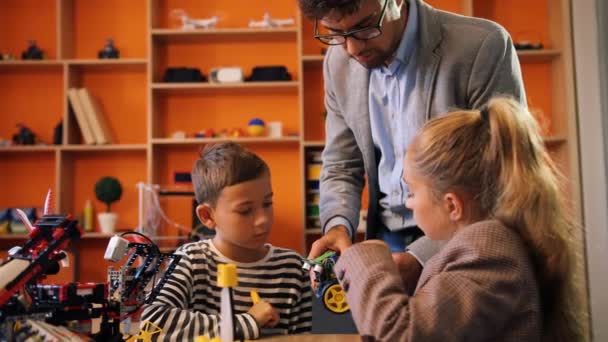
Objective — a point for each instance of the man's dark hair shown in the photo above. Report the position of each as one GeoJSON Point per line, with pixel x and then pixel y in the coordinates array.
{"type": "Point", "coordinates": [317, 9]}
{"type": "Point", "coordinates": [222, 165]}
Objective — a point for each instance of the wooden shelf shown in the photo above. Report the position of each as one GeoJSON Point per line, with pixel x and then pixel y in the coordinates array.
{"type": "Point", "coordinates": [97, 236]}
{"type": "Point", "coordinates": [32, 63]}
{"type": "Point", "coordinates": [84, 237]}
{"type": "Point", "coordinates": [313, 58]}
{"type": "Point", "coordinates": [554, 141]}
{"type": "Point", "coordinates": [249, 140]}
{"type": "Point", "coordinates": [30, 148]}
{"type": "Point", "coordinates": [240, 85]}
{"type": "Point", "coordinates": [538, 56]}
{"type": "Point", "coordinates": [179, 34]}
{"type": "Point", "coordinates": [313, 231]}
{"type": "Point", "coordinates": [316, 143]}
{"type": "Point", "coordinates": [60, 62]}
{"type": "Point", "coordinates": [53, 148]}
{"type": "Point", "coordinates": [107, 61]}
{"type": "Point", "coordinates": [113, 147]}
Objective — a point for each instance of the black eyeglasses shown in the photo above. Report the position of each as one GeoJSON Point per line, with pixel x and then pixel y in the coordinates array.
{"type": "Point", "coordinates": [365, 33]}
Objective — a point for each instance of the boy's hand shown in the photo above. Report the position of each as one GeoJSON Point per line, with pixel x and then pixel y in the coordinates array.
{"type": "Point", "coordinates": [264, 314]}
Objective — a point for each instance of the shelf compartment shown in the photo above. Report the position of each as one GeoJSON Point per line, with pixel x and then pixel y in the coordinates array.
{"type": "Point", "coordinates": [531, 24]}
{"type": "Point", "coordinates": [23, 20]}
{"type": "Point", "coordinates": [32, 98]}
{"type": "Point", "coordinates": [81, 169]}
{"type": "Point", "coordinates": [87, 24]}
{"type": "Point", "coordinates": [227, 50]}
{"type": "Point", "coordinates": [537, 77]}
{"type": "Point", "coordinates": [310, 45]}
{"type": "Point", "coordinates": [25, 178]}
{"type": "Point", "coordinates": [122, 94]}
{"type": "Point", "coordinates": [227, 110]}
{"type": "Point", "coordinates": [314, 106]}
{"type": "Point", "coordinates": [225, 10]}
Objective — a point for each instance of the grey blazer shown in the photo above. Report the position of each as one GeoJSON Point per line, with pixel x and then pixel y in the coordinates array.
{"type": "Point", "coordinates": [463, 62]}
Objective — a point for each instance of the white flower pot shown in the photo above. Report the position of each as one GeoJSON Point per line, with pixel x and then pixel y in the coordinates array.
{"type": "Point", "coordinates": [107, 222]}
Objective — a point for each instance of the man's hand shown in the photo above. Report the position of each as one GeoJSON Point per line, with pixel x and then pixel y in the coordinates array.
{"type": "Point", "coordinates": [264, 314]}
{"type": "Point", "coordinates": [409, 268]}
{"type": "Point", "coordinates": [336, 239]}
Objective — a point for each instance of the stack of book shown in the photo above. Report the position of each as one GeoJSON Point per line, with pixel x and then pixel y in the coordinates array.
{"type": "Point", "coordinates": [92, 123]}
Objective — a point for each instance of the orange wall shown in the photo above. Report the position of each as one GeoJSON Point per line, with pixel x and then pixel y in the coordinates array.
{"type": "Point", "coordinates": [32, 98]}
{"type": "Point", "coordinates": [525, 20]}
{"type": "Point", "coordinates": [314, 104]}
{"type": "Point", "coordinates": [23, 20]}
{"type": "Point", "coordinates": [96, 20]}
{"type": "Point", "coordinates": [25, 178]}
{"type": "Point", "coordinates": [193, 112]}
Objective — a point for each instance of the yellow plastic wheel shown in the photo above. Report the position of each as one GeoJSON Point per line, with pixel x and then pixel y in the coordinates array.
{"type": "Point", "coordinates": [335, 299]}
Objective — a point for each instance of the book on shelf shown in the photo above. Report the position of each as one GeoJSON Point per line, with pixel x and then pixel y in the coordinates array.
{"type": "Point", "coordinates": [99, 124]}
{"type": "Point", "coordinates": [81, 116]}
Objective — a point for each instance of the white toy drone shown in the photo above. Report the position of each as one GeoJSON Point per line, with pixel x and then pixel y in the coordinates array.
{"type": "Point", "coordinates": [268, 22]}
{"type": "Point", "coordinates": [191, 24]}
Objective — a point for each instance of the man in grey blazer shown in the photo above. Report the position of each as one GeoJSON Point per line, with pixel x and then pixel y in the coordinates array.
{"type": "Point", "coordinates": [393, 65]}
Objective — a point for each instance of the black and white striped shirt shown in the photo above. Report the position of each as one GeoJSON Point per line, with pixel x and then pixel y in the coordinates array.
{"type": "Point", "coordinates": [189, 303]}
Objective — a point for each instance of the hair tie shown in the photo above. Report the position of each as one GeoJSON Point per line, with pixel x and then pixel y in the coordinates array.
{"type": "Point", "coordinates": [484, 113]}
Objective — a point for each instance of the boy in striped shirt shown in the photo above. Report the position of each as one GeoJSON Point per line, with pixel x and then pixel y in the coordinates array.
{"type": "Point", "coordinates": [233, 189]}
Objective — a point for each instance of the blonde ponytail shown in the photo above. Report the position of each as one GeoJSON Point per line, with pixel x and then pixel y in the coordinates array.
{"type": "Point", "coordinates": [498, 156]}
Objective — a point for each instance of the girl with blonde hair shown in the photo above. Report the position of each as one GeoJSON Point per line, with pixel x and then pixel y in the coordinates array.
{"type": "Point", "coordinates": [484, 182]}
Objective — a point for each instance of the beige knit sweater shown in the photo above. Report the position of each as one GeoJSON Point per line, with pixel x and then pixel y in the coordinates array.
{"type": "Point", "coordinates": [479, 287]}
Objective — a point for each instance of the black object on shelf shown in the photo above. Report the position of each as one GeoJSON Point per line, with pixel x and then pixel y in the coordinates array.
{"type": "Point", "coordinates": [57, 133]}
{"type": "Point", "coordinates": [183, 74]}
{"type": "Point", "coordinates": [528, 45]}
{"type": "Point", "coordinates": [109, 50]}
{"type": "Point", "coordinates": [269, 73]}
{"type": "Point", "coordinates": [32, 52]}
{"type": "Point", "coordinates": [24, 136]}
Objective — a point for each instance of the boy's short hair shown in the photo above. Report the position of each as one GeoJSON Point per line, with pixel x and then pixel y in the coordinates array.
{"type": "Point", "coordinates": [221, 165]}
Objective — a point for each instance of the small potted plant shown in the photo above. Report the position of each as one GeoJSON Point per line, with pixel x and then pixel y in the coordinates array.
{"type": "Point", "coordinates": [108, 190]}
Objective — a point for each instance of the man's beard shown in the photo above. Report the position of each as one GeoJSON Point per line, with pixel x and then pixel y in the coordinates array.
{"type": "Point", "coordinates": [376, 60]}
